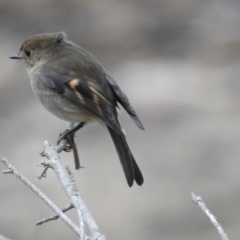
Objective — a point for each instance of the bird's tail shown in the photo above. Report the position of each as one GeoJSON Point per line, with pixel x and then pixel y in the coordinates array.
{"type": "Point", "coordinates": [129, 165]}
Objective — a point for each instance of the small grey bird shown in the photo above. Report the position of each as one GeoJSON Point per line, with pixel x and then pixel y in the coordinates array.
{"type": "Point", "coordinates": [72, 85]}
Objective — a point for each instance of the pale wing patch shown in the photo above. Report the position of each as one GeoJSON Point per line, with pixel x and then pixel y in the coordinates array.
{"type": "Point", "coordinates": [79, 96]}
{"type": "Point", "coordinates": [74, 83]}
{"type": "Point", "coordinates": [97, 94]}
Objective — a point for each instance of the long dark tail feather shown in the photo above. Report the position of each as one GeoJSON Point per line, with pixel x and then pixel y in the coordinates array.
{"type": "Point", "coordinates": [129, 165]}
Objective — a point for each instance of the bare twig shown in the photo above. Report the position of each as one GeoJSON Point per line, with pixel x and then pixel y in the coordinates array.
{"type": "Point", "coordinates": [44, 173]}
{"type": "Point", "coordinates": [76, 193]}
{"type": "Point", "coordinates": [54, 217]}
{"type": "Point", "coordinates": [71, 190]}
{"type": "Point", "coordinates": [42, 196]}
{"type": "Point", "coordinates": [198, 200]}
{"type": "Point", "coordinates": [68, 184]}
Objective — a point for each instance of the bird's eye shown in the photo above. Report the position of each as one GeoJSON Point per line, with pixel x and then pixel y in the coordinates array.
{"type": "Point", "coordinates": [28, 53]}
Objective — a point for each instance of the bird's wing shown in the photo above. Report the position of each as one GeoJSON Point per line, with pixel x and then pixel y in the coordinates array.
{"type": "Point", "coordinates": [123, 100]}
{"type": "Point", "coordinates": [84, 92]}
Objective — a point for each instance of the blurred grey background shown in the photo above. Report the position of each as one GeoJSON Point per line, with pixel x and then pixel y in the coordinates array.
{"type": "Point", "coordinates": [178, 62]}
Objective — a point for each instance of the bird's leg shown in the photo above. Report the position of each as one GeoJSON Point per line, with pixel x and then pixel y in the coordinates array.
{"type": "Point", "coordinates": [70, 131]}
{"type": "Point", "coordinates": [68, 135]}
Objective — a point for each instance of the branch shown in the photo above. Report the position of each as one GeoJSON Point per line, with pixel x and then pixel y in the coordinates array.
{"type": "Point", "coordinates": [69, 185]}
{"type": "Point", "coordinates": [198, 200]}
{"type": "Point", "coordinates": [53, 217]}
{"type": "Point", "coordinates": [13, 170]}
{"type": "Point", "coordinates": [71, 190]}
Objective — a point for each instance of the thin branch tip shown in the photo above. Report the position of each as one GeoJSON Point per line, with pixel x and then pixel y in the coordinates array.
{"type": "Point", "coordinates": [7, 171]}
{"type": "Point", "coordinates": [46, 144]}
{"type": "Point", "coordinates": [55, 216]}
{"type": "Point", "coordinates": [199, 201]}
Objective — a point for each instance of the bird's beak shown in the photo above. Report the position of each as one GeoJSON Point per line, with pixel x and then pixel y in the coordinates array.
{"type": "Point", "coordinates": [17, 57]}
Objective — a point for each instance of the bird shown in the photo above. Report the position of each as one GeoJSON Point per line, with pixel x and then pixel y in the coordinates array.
{"type": "Point", "coordinates": [73, 86]}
